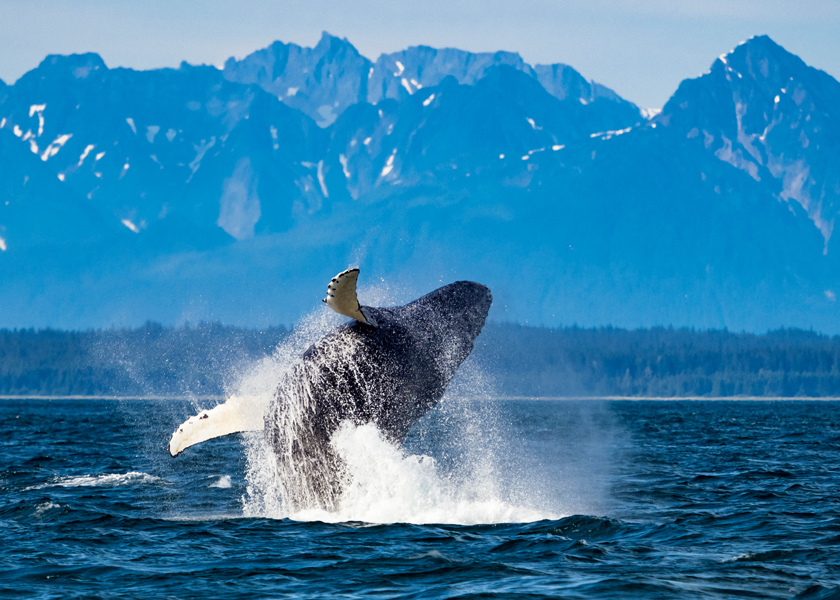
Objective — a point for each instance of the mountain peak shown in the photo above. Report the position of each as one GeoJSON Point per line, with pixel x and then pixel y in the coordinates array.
{"type": "Point", "coordinates": [401, 74]}
{"type": "Point", "coordinates": [79, 66]}
{"type": "Point", "coordinates": [760, 43]}
{"type": "Point", "coordinates": [764, 111]}
{"type": "Point", "coordinates": [760, 58]}
{"type": "Point", "coordinates": [320, 81]}
{"type": "Point", "coordinates": [327, 40]}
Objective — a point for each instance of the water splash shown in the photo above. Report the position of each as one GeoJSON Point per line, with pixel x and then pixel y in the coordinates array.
{"type": "Point", "coordinates": [223, 482]}
{"type": "Point", "coordinates": [450, 470]}
{"type": "Point", "coordinates": [272, 486]}
{"type": "Point", "coordinates": [384, 484]}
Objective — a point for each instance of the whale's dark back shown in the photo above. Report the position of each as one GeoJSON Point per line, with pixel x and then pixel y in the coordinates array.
{"type": "Point", "coordinates": [389, 375]}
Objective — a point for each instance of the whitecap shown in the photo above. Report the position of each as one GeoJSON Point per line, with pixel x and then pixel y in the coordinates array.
{"type": "Point", "coordinates": [101, 480]}
{"type": "Point", "coordinates": [222, 482]}
{"type": "Point", "coordinates": [43, 507]}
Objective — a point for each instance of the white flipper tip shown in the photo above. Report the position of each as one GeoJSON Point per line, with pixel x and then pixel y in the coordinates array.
{"type": "Point", "coordinates": [341, 296]}
{"type": "Point", "coordinates": [234, 416]}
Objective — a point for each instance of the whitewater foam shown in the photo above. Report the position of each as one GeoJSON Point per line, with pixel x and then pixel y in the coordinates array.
{"type": "Point", "coordinates": [43, 507]}
{"type": "Point", "coordinates": [385, 484]}
{"type": "Point", "coordinates": [222, 482]}
{"type": "Point", "coordinates": [102, 480]}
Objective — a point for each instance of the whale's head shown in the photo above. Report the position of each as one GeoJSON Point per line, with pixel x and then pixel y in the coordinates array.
{"type": "Point", "coordinates": [449, 319]}
{"type": "Point", "coordinates": [461, 306]}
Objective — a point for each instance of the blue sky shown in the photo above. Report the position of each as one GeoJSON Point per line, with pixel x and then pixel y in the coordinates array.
{"type": "Point", "coordinates": [640, 49]}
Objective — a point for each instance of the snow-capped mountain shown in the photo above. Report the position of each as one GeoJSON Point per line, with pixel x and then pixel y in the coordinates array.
{"type": "Point", "coordinates": [403, 73]}
{"type": "Point", "coordinates": [325, 80]}
{"type": "Point", "coordinates": [189, 193]}
{"type": "Point", "coordinates": [145, 147]}
{"type": "Point", "coordinates": [443, 134]}
{"type": "Point", "coordinates": [321, 81]}
{"type": "Point", "coordinates": [766, 112]}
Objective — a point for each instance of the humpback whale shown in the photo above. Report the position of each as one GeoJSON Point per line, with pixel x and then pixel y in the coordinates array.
{"type": "Point", "coordinates": [388, 367]}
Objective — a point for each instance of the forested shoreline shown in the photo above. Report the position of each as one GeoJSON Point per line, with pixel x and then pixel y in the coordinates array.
{"type": "Point", "coordinates": [663, 362]}
{"type": "Point", "coordinates": [207, 359]}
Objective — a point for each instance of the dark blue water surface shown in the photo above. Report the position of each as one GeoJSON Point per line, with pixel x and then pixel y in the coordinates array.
{"type": "Point", "coordinates": [676, 499]}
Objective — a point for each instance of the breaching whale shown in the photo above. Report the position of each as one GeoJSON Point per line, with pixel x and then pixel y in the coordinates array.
{"type": "Point", "coordinates": [388, 367]}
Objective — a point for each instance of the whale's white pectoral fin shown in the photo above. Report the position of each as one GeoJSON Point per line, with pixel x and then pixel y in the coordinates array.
{"type": "Point", "coordinates": [341, 296]}
{"type": "Point", "coordinates": [234, 416]}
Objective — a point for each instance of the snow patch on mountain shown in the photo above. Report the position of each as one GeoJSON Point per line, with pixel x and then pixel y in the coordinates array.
{"type": "Point", "coordinates": [39, 110]}
{"type": "Point", "coordinates": [239, 209]}
{"type": "Point", "coordinates": [200, 150]}
{"type": "Point", "coordinates": [796, 181]}
{"type": "Point", "coordinates": [151, 132]}
{"type": "Point", "coordinates": [389, 165]}
{"type": "Point", "coordinates": [321, 181]}
{"type": "Point", "coordinates": [84, 154]}
{"type": "Point", "coordinates": [56, 145]}
{"type": "Point", "coordinates": [736, 158]}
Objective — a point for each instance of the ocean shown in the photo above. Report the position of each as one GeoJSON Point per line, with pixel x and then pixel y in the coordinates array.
{"type": "Point", "coordinates": [488, 498]}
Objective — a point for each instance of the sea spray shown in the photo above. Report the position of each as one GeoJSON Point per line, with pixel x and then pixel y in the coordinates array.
{"type": "Point", "coordinates": [309, 465]}
{"type": "Point", "coordinates": [448, 471]}
{"type": "Point", "coordinates": [271, 487]}
{"type": "Point", "coordinates": [385, 484]}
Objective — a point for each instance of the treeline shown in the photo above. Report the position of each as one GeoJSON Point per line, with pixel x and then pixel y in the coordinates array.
{"type": "Point", "coordinates": [661, 362]}
{"type": "Point", "coordinates": [518, 361]}
{"type": "Point", "coordinates": [150, 360]}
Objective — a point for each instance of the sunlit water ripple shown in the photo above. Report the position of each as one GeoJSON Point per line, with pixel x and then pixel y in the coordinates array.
{"type": "Point", "coordinates": [621, 499]}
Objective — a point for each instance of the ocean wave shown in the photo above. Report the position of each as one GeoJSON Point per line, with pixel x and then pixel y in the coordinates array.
{"type": "Point", "coordinates": [101, 480]}
{"type": "Point", "coordinates": [43, 507]}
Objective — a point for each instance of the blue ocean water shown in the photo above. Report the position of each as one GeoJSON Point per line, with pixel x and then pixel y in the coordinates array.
{"type": "Point", "coordinates": [621, 499]}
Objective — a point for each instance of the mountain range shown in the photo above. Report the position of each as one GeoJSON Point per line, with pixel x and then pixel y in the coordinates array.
{"type": "Point", "coordinates": [234, 194]}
